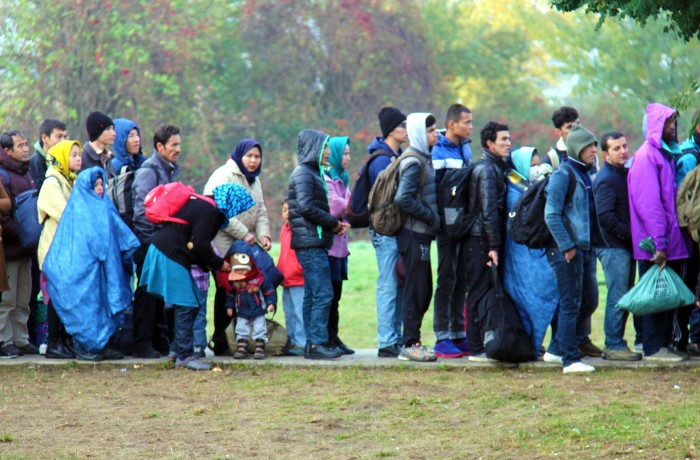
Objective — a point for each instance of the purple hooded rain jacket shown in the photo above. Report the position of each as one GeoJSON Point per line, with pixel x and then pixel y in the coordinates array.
{"type": "Point", "coordinates": [652, 192]}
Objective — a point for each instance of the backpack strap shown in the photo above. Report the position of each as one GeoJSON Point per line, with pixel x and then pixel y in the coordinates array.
{"type": "Point", "coordinates": [420, 160]}
{"type": "Point", "coordinates": [553, 158]}
{"type": "Point", "coordinates": [572, 182]}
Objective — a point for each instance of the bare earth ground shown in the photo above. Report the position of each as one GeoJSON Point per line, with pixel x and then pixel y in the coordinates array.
{"type": "Point", "coordinates": [269, 411]}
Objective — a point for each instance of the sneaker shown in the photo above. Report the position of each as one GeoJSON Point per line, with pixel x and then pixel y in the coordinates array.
{"type": "Point", "coordinates": [463, 346]}
{"type": "Point", "coordinates": [392, 351]}
{"type": "Point", "coordinates": [588, 349]}
{"type": "Point", "coordinates": [295, 350]}
{"type": "Point", "coordinates": [552, 358]}
{"type": "Point", "coordinates": [321, 352]}
{"type": "Point", "coordinates": [446, 349]}
{"type": "Point", "coordinates": [578, 367]}
{"type": "Point", "coordinates": [417, 353]}
{"type": "Point", "coordinates": [12, 349]}
{"type": "Point", "coordinates": [623, 354]}
{"type": "Point", "coordinates": [148, 353]}
{"type": "Point", "coordinates": [199, 352]}
{"type": "Point", "coordinates": [664, 356]}
{"type": "Point", "coordinates": [28, 349]}
{"type": "Point", "coordinates": [481, 358]}
{"type": "Point", "coordinates": [344, 348]}
{"type": "Point", "coordinates": [7, 354]}
{"type": "Point", "coordinates": [191, 362]}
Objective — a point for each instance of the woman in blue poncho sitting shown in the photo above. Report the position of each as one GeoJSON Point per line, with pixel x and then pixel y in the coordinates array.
{"type": "Point", "coordinates": [89, 265]}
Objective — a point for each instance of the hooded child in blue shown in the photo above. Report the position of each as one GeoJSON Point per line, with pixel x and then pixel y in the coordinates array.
{"type": "Point", "coordinates": [527, 276]}
{"type": "Point", "coordinates": [89, 264]}
{"type": "Point", "coordinates": [122, 128]}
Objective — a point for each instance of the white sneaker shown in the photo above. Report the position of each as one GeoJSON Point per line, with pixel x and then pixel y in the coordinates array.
{"type": "Point", "coordinates": [551, 358]}
{"type": "Point", "coordinates": [482, 358]}
{"type": "Point", "coordinates": [578, 366]}
{"type": "Point", "coordinates": [664, 355]}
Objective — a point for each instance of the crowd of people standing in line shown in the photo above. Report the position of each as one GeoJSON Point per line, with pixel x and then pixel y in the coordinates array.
{"type": "Point", "coordinates": [87, 244]}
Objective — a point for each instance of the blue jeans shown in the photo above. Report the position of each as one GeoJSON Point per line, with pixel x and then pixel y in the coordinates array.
{"type": "Point", "coordinates": [318, 293]}
{"type": "Point", "coordinates": [184, 337]}
{"type": "Point", "coordinates": [200, 326]}
{"type": "Point", "coordinates": [619, 271]}
{"type": "Point", "coordinates": [389, 293]}
{"type": "Point", "coordinates": [578, 299]}
{"type": "Point", "coordinates": [293, 304]}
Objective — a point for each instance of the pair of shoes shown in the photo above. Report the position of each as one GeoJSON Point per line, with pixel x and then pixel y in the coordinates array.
{"type": "Point", "coordinates": [418, 353]}
{"type": "Point", "coordinates": [463, 346]}
{"type": "Point", "coordinates": [392, 351]}
{"type": "Point", "coordinates": [28, 349]}
{"type": "Point", "coordinates": [552, 358]}
{"type": "Point", "coordinates": [295, 350]}
{"type": "Point", "coordinates": [623, 354]}
{"type": "Point", "coordinates": [693, 349]}
{"type": "Point", "coordinates": [241, 349]}
{"type": "Point", "coordinates": [7, 354]}
{"type": "Point", "coordinates": [259, 349]}
{"type": "Point", "coordinates": [481, 358]}
{"type": "Point", "coordinates": [588, 349]}
{"type": "Point", "coordinates": [664, 355]}
{"type": "Point", "coordinates": [148, 353]}
{"type": "Point", "coordinates": [344, 348]}
{"type": "Point", "coordinates": [111, 353]}
{"type": "Point", "coordinates": [324, 351]}
{"type": "Point", "coordinates": [446, 349]}
{"type": "Point", "coordinates": [578, 367]}
{"type": "Point", "coordinates": [199, 352]}
{"type": "Point", "coordinates": [58, 350]}
{"type": "Point", "coordinates": [191, 362]}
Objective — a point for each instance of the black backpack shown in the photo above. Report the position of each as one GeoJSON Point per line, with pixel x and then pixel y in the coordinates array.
{"type": "Point", "coordinates": [455, 222]}
{"type": "Point", "coordinates": [504, 335]}
{"type": "Point", "coordinates": [357, 213]}
{"type": "Point", "coordinates": [118, 189]}
{"type": "Point", "coordinates": [526, 223]}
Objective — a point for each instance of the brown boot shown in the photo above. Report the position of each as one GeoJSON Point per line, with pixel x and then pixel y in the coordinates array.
{"type": "Point", "coordinates": [259, 349]}
{"type": "Point", "coordinates": [241, 349]}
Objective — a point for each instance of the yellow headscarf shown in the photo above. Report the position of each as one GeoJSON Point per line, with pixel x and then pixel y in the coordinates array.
{"type": "Point", "coordinates": [61, 155]}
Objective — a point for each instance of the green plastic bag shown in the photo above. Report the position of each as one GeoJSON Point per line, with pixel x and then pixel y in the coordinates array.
{"type": "Point", "coordinates": [657, 291]}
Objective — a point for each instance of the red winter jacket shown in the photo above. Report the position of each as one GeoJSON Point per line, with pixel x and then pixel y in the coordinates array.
{"type": "Point", "coordinates": [288, 263]}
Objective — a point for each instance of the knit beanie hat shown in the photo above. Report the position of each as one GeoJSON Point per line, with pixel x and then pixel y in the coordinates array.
{"type": "Point", "coordinates": [578, 139]}
{"type": "Point", "coordinates": [242, 262]}
{"type": "Point", "coordinates": [96, 123]}
{"type": "Point", "coordinates": [389, 119]}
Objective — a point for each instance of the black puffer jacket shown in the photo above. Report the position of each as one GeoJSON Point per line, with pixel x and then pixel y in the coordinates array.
{"type": "Point", "coordinates": [487, 199]}
{"type": "Point", "coordinates": [309, 212]}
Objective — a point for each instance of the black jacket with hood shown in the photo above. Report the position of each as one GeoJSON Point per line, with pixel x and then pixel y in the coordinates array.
{"type": "Point", "coordinates": [309, 212]}
{"type": "Point", "coordinates": [487, 199]}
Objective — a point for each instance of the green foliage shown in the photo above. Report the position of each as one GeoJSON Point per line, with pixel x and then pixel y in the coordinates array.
{"type": "Point", "coordinates": [681, 16]}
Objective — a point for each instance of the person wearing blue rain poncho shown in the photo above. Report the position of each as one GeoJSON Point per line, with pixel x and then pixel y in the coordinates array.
{"type": "Point", "coordinates": [89, 265]}
{"type": "Point", "coordinates": [527, 276]}
{"type": "Point", "coordinates": [176, 247]}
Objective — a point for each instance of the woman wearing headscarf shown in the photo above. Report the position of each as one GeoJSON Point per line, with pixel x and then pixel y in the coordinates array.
{"type": "Point", "coordinates": [52, 201]}
{"type": "Point", "coordinates": [176, 247]}
{"type": "Point", "coordinates": [242, 168]}
{"type": "Point", "coordinates": [338, 181]}
{"type": "Point", "coordinates": [89, 265]}
{"type": "Point", "coordinates": [527, 276]}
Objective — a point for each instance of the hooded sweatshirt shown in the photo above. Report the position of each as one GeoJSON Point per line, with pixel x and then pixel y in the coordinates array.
{"type": "Point", "coordinates": [416, 198]}
{"type": "Point", "coordinates": [652, 191]}
{"type": "Point", "coordinates": [122, 127]}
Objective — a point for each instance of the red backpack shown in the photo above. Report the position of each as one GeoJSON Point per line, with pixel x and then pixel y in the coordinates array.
{"type": "Point", "coordinates": [166, 200]}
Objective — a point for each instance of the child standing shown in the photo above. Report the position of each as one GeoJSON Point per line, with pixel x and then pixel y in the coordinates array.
{"type": "Point", "coordinates": [293, 288]}
{"type": "Point", "coordinates": [244, 294]}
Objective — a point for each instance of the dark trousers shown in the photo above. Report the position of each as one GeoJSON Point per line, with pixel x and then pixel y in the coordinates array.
{"type": "Point", "coordinates": [451, 290]}
{"type": "Point", "coordinates": [33, 303]}
{"type": "Point", "coordinates": [334, 315]}
{"type": "Point", "coordinates": [658, 327]}
{"type": "Point", "coordinates": [150, 324]}
{"type": "Point", "coordinates": [184, 335]}
{"type": "Point", "coordinates": [478, 284]}
{"type": "Point", "coordinates": [221, 321]}
{"type": "Point", "coordinates": [55, 326]}
{"type": "Point", "coordinates": [418, 289]}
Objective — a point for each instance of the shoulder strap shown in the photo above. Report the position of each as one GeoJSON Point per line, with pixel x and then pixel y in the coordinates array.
{"type": "Point", "coordinates": [572, 182]}
{"type": "Point", "coordinates": [420, 160]}
{"type": "Point", "coordinates": [553, 158]}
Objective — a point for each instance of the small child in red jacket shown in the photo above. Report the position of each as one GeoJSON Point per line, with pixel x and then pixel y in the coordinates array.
{"type": "Point", "coordinates": [293, 288]}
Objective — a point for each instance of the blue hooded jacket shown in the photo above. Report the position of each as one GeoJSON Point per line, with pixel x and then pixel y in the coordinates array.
{"type": "Point", "coordinates": [448, 155]}
{"type": "Point", "coordinates": [89, 264]}
{"type": "Point", "coordinates": [122, 127]}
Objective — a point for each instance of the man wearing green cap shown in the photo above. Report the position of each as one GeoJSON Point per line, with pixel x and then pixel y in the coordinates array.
{"type": "Point", "coordinates": [574, 226]}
